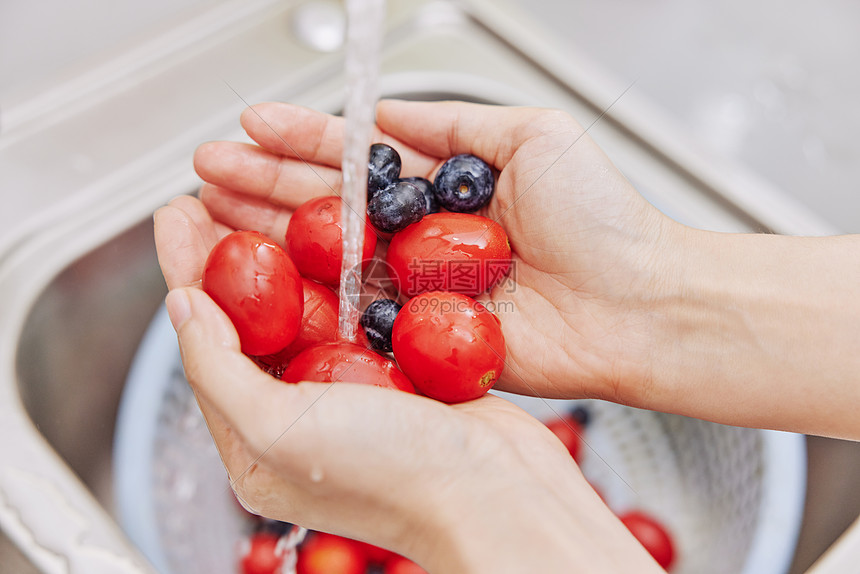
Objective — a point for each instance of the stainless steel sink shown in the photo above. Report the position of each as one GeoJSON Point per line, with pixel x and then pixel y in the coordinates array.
{"type": "Point", "coordinates": [79, 280]}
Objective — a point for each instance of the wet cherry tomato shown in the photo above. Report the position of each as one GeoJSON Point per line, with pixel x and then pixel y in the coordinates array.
{"type": "Point", "coordinates": [348, 362]}
{"type": "Point", "coordinates": [569, 432]}
{"type": "Point", "coordinates": [256, 284]}
{"type": "Point", "coordinates": [374, 554]}
{"type": "Point", "coordinates": [449, 345]}
{"type": "Point", "coordinates": [319, 325]}
{"type": "Point", "coordinates": [401, 565]}
{"type": "Point", "coordinates": [314, 240]}
{"type": "Point", "coordinates": [652, 535]}
{"type": "Point", "coordinates": [459, 252]}
{"type": "Point", "coordinates": [262, 555]}
{"type": "Point", "coordinates": [319, 319]}
{"type": "Point", "coordinates": [330, 554]}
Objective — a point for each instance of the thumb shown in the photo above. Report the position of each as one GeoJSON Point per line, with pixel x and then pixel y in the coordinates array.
{"type": "Point", "coordinates": [260, 408]}
{"type": "Point", "coordinates": [247, 399]}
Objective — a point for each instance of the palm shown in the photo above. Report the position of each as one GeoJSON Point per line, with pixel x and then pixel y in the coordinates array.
{"type": "Point", "coordinates": [377, 464]}
{"type": "Point", "coordinates": [557, 197]}
{"type": "Point", "coordinates": [567, 329]}
{"type": "Point", "coordinates": [270, 436]}
{"type": "Point", "coordinates": [275, 438]}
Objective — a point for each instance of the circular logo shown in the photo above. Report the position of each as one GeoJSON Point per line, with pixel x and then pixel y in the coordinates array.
{"type": "Point", "coordinates": [373, 283]}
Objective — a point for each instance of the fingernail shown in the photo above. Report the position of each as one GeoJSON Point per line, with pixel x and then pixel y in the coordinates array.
{"type": "Point", "coordinates": [178, 307]}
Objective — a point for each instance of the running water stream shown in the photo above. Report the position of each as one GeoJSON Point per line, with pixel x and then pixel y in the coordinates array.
{"type": "Point", "coordinates": [363, 43]}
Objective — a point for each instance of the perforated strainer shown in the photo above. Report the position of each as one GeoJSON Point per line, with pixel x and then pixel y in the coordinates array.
{"type": "Point", "coordinates": [732, 498]}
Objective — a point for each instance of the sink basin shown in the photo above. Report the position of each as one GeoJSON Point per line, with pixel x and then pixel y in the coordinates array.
{"type": "Point", "coordinates": [80, 282]}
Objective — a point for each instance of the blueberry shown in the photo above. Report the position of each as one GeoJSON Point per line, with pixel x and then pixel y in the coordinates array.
{"type": "Point", "coordinates": [426, 187]}
{"type": "Point", "coordinates": [395, 207]}
{"type": "Point", "coordinates": [383, 168]}
{"type": "Point", "coordinates": [464, 184]}
{"type": "Point", "coordinates": [581, 415]}
{"type": "Point", "coordinates": [275, 527]}
{"type": "Point", "coordinates": [378, 321]}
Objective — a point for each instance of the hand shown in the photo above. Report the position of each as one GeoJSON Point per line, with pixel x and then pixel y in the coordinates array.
{"type": "Point", "coordinates": [405, 472]}
{"type": "Point", "coordinates": [613, 299]}
{"type": "Point", "coordinates": [585, 242]}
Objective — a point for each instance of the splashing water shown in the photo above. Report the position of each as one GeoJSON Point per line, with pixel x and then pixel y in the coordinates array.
{"type": "Point", "coordinates": [363, 42]}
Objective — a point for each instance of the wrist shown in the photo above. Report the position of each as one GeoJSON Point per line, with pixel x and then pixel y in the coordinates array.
{"type": "Point", "coordinates": [757, 330]}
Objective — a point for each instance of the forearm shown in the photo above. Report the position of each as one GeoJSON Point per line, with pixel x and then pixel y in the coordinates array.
{"type": "Point", "coordinates": [761, 330]}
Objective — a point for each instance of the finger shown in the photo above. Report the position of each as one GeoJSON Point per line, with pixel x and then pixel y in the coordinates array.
{"type": "Point", "coordinates": [258, 407]}
{"type": "Point", "coordinates": [253, 171]}
{"type": "Point", "coordinates": [181, 245]}
{"type": "Point", "coordinates": [210, 229]}
{"type": "Point", "coordinates": [303, 421]}
{"type": "Point", "coordinates": [321, 454]}
{"type": "Point", "coordinates": [445, 129]}
{"type": "Point", "coordinates": [317, 138]}
{"type": "Point", "coordinates": [248, 413]}
{"type": "Point", "coordinates": [239, 211]}
{"type": "Point", "coordinates": [215, 366]}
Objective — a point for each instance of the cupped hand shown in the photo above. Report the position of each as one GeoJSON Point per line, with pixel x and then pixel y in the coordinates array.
{"type": "Point", "coordinates": [398, 470]}
{"type": "Point", "coordinates": [394, 469]}
{"type": "Point", "coordinates": [587, 248]}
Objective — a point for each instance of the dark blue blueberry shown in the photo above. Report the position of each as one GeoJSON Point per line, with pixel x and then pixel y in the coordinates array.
{"type": "Point", "coordinates": [581, 415]}
{"type": "Point", "coordinates": [383, 168]}
{"type": "Point", "coordinates": [378, 321]}
{"type": "Point", "coordinates": [464, 184]}
{"type": "Point", "coordinates": [426, 187]}
{"type": "Point", "coordinates": [395, 207]}
{"type": "Point", "coordinates": [275, 527]}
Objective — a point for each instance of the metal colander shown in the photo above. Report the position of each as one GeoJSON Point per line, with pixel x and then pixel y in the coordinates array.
{"type": "Point", "coordinates": [731, 498]}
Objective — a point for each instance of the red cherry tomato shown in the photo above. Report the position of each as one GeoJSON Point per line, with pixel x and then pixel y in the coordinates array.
{"type": "Point", "coordinates": [256, 284]}
{"type": "Point", "coordinates": [262, 555]}
{"type": "Point", "coordinates": [569, 431]}
{"type": "Point", "coordinates": [330, 554]}
{"type": "Point", "coordinates": [319, 325]}
{"type": "Point", "coordinates": [652, 535]}
{"type": "Point", "coordinates": [314, 240]}
{"type": "Point", "coordinates": [449, 345]}
{"type": "Point", "coordinates": [401, 565]}
{"type": "Point", "coordinates": [460, 252]}
{"type": "Point", "coordinates": [348, 362]}
{"type": "Point", "coordinates": [319, 320]}
{"type": "Point", "coordinates": [374, 554]}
